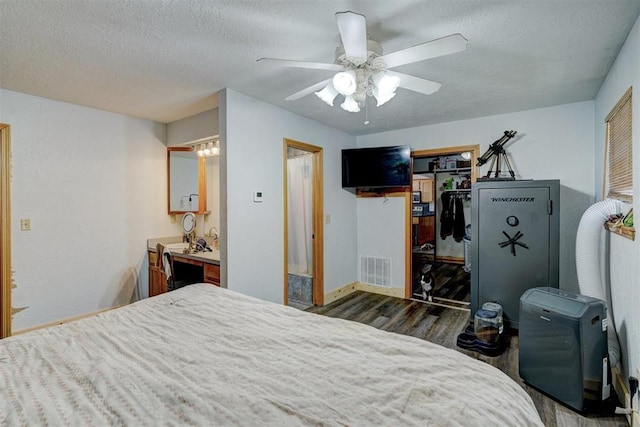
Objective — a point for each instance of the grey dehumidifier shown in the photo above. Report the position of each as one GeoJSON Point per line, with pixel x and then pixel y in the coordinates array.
{"type": "Point", "coordinates": [563, 346]}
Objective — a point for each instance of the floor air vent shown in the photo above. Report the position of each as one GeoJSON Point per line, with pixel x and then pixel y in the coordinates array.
{"type": "Point", "coordinates": [375, 270]}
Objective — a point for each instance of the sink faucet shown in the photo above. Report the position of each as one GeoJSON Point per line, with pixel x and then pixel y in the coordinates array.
{"type": "Point", "coordinates": [190, 239]}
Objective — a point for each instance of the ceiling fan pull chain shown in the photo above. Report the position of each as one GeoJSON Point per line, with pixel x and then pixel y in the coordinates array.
{"type": "Point", "coordinates": [366, 112]}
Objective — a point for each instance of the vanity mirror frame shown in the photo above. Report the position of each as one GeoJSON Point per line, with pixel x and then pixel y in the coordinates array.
{"type": "Point", "coordinates": [202, 181]}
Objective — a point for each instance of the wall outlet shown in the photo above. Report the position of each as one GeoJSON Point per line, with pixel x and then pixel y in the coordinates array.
{"type": "Point", "coordinates": [25, 224]}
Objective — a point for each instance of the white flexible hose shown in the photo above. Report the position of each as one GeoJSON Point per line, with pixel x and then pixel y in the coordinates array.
{"type": "Point", "coordinates": [588, 263]}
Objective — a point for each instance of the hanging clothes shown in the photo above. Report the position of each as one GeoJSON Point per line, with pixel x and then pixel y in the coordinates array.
{"type": "Point", "coordinates": [458, 220]}
{"type": "Point", "coordinates": [446, 217]}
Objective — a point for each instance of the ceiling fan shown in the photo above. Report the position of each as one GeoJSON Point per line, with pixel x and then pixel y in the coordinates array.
{"type": "Point", "coordinates": [363, 70]}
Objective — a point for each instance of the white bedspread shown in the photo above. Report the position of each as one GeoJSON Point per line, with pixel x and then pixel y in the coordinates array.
{"type": "Point", "coordinates": [208, 356]}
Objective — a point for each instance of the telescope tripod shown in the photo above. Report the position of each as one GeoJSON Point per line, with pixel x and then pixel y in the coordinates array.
{"type": "Point", "coordinates": [500, 157]}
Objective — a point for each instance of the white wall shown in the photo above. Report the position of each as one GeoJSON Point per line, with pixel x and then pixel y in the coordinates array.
{"type": "Point", "coordinates": [252, 135]}
{"type": "Point", "coordinates": [552, 143]}
{"type": "Point", "coordinates": [93, 184]}
{"type": "Point", "coordinates": [191, 128]}
{"type": "Point", "coordinates": [378, 233]}
{"type": "Point", "coordinates": [624, 254]}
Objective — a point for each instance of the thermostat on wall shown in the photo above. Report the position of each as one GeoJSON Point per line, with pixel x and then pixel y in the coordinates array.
{"type": "Point", "coordinates": [257, 196]}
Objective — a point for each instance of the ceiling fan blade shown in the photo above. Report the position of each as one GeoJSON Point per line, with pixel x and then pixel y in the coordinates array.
{"type": "Point", "coordinates": [439, 47]}
{"type": "Point", "coordinates": [309, 90]}
{"type": "Point", "coordinates": [302, 64]}
{"type": "Point", "coordinates": [353, 32]}
{"type": "Point", "coordinates": [416, 84]}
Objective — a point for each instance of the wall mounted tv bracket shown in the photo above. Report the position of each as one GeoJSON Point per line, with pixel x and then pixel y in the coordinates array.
{"type": "Point", "coordinates": [496, 153]}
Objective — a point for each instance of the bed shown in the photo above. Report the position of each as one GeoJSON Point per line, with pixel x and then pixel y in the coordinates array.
{"type": "Point", "coordinates": [202, 355]}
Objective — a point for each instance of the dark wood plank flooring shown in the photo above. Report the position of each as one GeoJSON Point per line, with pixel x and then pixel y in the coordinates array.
{"type": "Point", "coordinates": [441, 325]}
{"type": "Point", "coordinates": [451, 283]}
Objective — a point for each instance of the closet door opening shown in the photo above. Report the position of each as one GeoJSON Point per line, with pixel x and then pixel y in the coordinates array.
{"type": "Point", "coordinates": [440, 233]}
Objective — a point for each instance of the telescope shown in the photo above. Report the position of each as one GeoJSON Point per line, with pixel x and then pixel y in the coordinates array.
{"type": "Point", "coordinates": [497, 155]}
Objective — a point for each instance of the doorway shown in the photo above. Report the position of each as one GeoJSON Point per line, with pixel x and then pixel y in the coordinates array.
{"type": "Point", "coordinates": [440, 233]}
{"type": "Point", "coordinates": [303, 225]}
{"type": "Point", "coordinates": [5, 231]}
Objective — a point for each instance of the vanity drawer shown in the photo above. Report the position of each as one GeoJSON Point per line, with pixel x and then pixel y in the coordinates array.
{"type": "Point", "coordinates": [212, 274]}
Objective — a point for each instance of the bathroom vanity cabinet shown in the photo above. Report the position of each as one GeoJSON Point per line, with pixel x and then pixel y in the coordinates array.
{"type": "Point", "coordinates": [201, 267]}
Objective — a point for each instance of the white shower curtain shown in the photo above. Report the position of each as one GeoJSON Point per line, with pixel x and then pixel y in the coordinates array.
{"type": "Point", "coordinates": [300, 208]}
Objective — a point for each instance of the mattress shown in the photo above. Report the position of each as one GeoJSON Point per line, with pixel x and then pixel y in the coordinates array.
{"type": "Point", "coordinates": [202, 355]}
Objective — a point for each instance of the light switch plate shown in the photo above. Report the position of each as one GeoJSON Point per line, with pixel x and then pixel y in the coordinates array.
{"type": "Point", "coordinates": [257, 196]}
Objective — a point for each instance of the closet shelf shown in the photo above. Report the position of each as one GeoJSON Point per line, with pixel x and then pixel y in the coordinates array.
{"type": "Point", "coordinates": [433, 172]}
{"type": "Point", "coordinates": [453, 170]}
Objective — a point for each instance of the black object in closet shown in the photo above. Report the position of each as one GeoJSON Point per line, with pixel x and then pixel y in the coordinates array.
{"type": "Point", "coordinates": [458, 220]}
{"type": "Point", "coordinates": [446, 216]}
{"type": "Point", "coordinates": [452, 221]}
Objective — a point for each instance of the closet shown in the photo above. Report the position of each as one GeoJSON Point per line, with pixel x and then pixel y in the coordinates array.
{"type": "Point", "coordinates": [440, 235]}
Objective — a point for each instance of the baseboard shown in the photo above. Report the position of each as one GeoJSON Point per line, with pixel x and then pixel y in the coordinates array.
{"type": "Point", "coordinates": [622, 391]}
{"type": "Point", "coordinates": [382, 290]}
{"type": "Point", "coordinates": [350, 288]}
{"type": "Point", "coordinates": [341, 292]}
{"type": "Point", "coordinates": [63, 321]}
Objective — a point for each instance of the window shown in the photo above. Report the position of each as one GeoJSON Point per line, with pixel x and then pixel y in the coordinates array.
{"type": "Point", "coordinates": [620, 164]}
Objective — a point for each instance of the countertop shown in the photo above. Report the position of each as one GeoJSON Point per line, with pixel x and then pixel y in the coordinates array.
{"type": "Point", "coordinates": [176, 247]}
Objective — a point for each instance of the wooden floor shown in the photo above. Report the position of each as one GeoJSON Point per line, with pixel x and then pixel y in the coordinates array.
{"type": "Point", "coordinates": [441, 325]}
{"type": "Point", "coordinates": [452, 283]}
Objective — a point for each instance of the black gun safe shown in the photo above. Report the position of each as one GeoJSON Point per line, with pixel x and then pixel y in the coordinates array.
{"type": "Point", "coordinates": [514, 242]}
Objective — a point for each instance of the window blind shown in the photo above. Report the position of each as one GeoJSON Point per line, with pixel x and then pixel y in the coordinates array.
{"type": "Point", "coordinates": [618, 128]}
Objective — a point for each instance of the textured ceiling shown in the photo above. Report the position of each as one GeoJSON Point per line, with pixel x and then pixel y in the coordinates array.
{"type": "Point", "coordinates": [166, 60]}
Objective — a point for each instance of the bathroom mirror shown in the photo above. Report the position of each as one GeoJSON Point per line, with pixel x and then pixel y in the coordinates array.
{"type": "Point", "coordinates": [186, 174]}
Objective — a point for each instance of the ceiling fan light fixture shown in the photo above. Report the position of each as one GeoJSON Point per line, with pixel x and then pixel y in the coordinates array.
{"type": "Point", "coordinates": [382, 97]}
{"type": "Point", "coordinates": [350, 104]}
{"type": "Point", "coordinates": [385, 87]}
{"type": "Point", "coordinates": [328, 94]}
{"type": "Point", "coordinates": [361, 67]}
{"type": "Point", "coordinates": [345, 82]}
{"type": "Point", "coordinates": [386, 83]}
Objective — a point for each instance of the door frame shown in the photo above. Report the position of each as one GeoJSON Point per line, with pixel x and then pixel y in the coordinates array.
{"type": "Point", "coordinates": [433, 152]}
{"type": "Point", "coordinates": [5, 231]}
{"type": "Point", "coordinates": [317, 218]}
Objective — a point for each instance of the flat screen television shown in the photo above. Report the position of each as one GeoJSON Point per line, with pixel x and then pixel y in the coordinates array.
{"type": "Point", "coordinates": [376, 167]}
